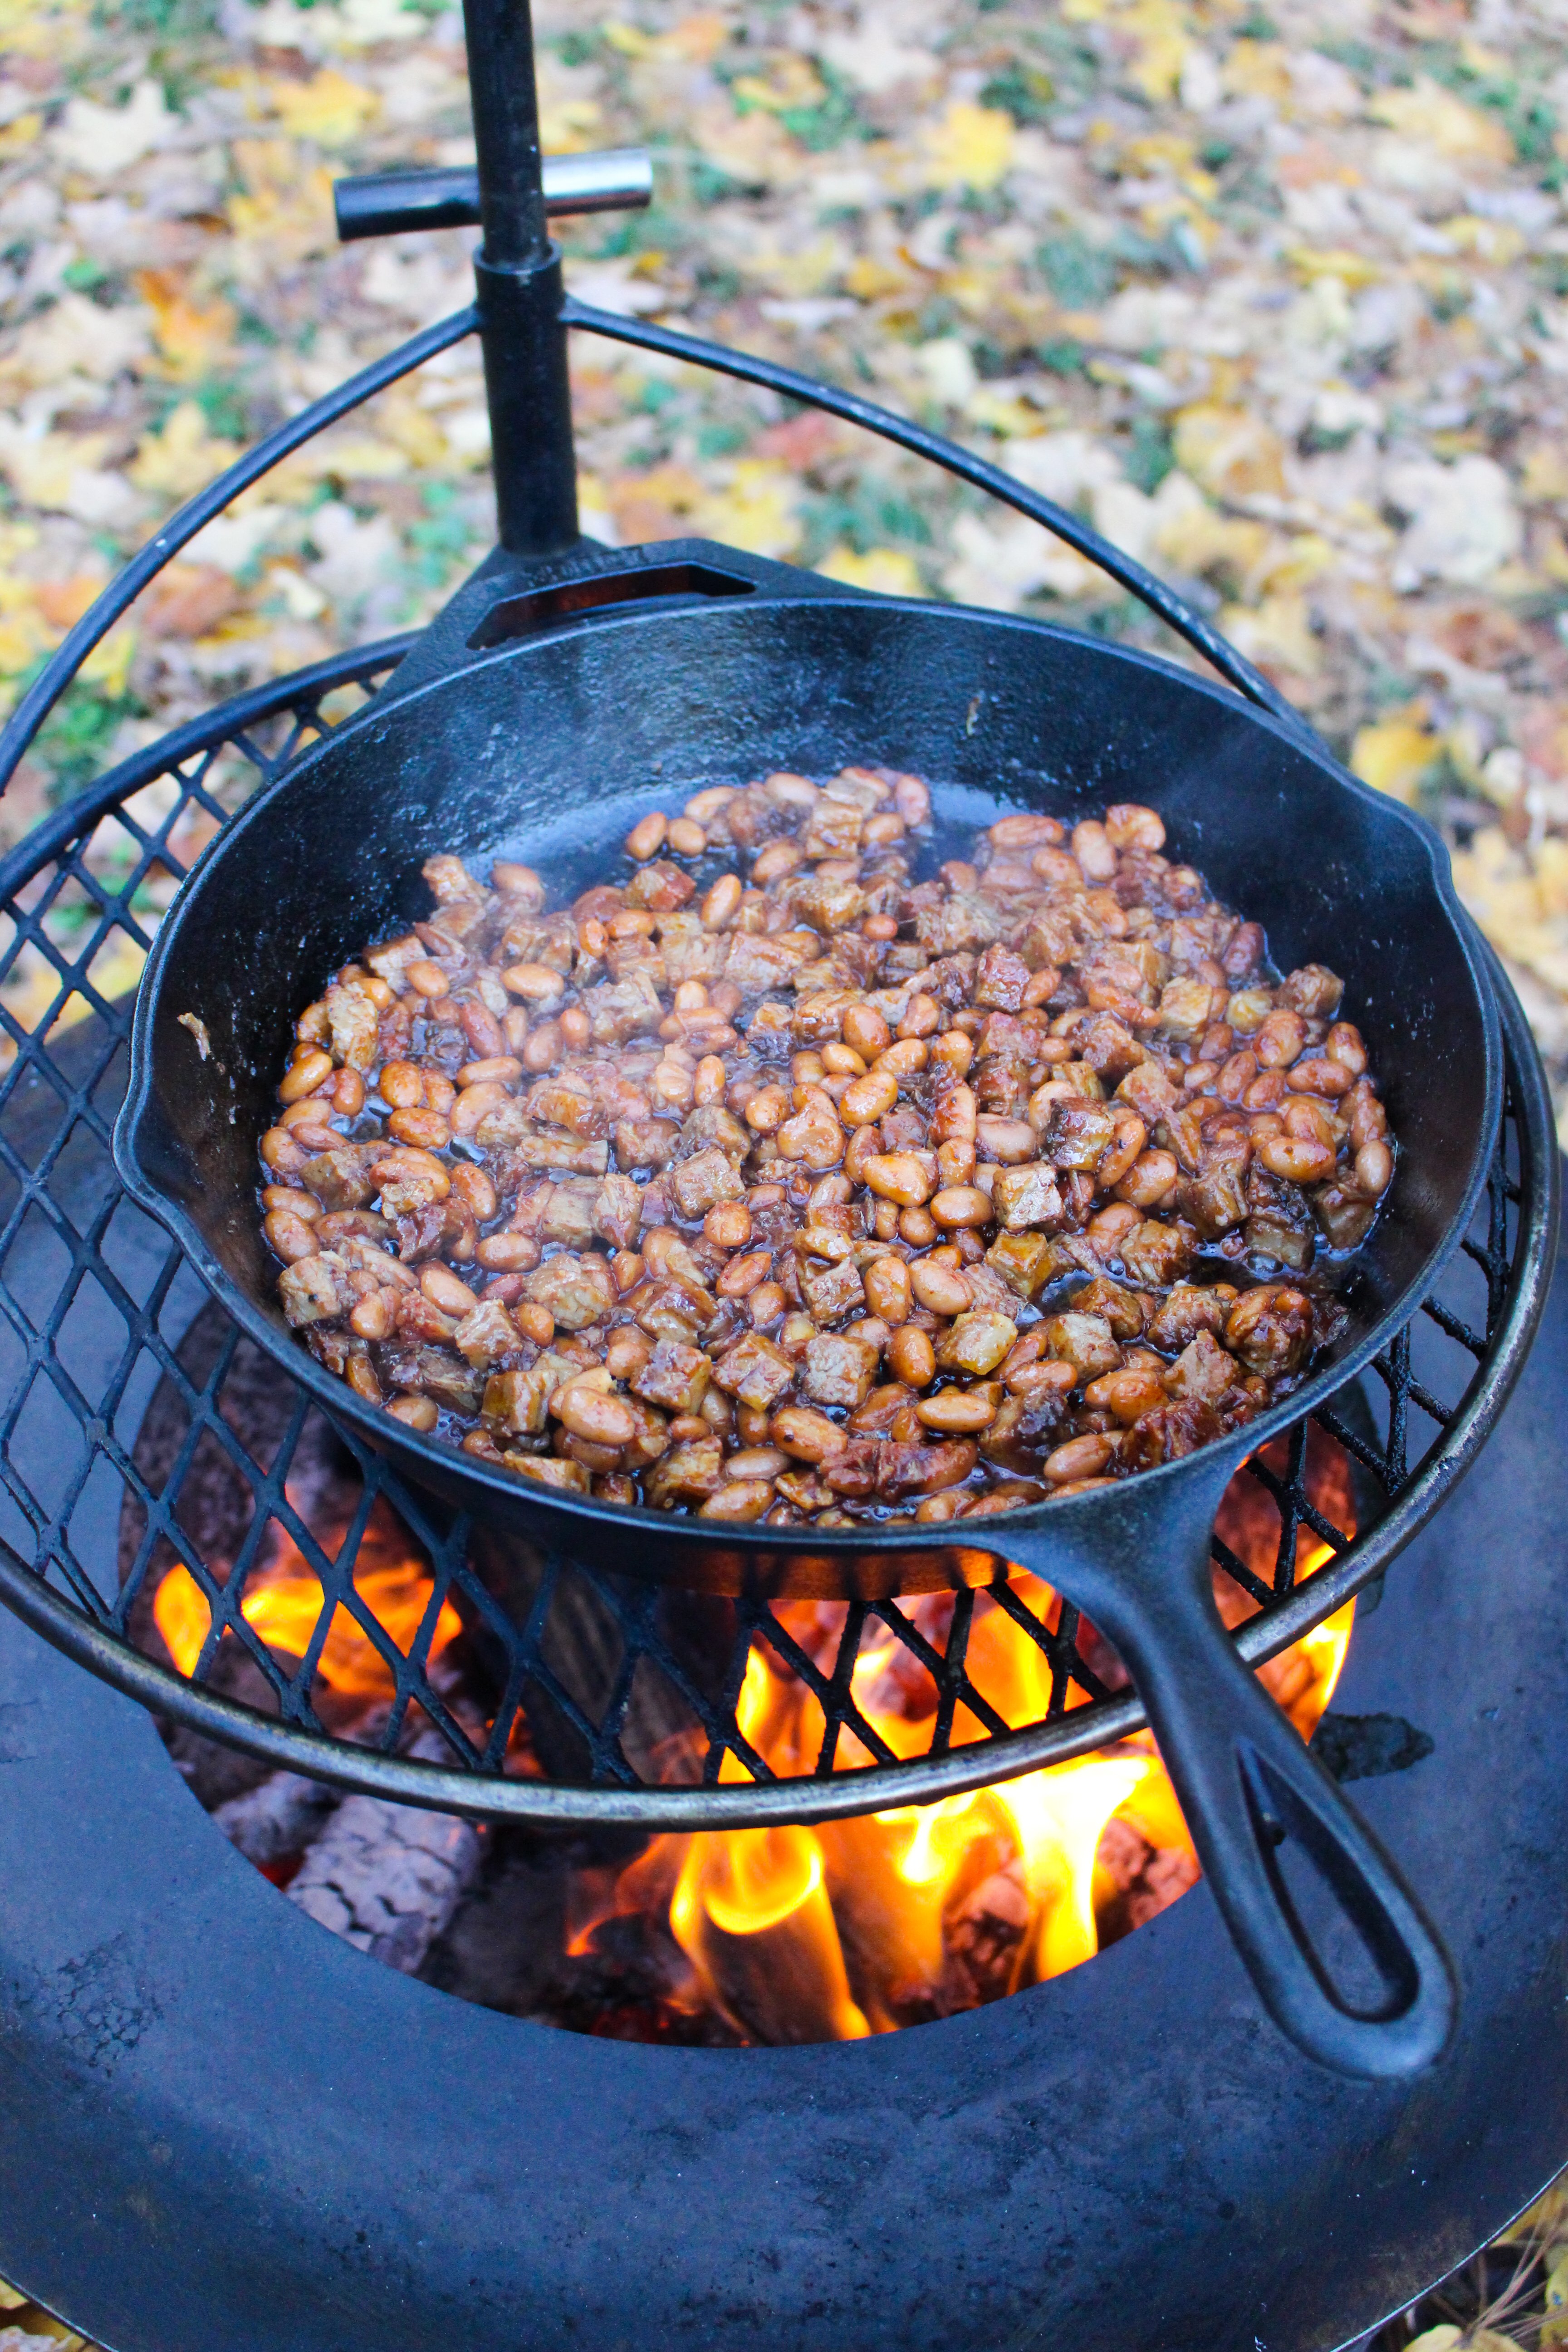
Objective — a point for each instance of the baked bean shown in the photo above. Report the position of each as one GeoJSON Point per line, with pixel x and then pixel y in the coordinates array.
{"type": "Point", "coordinates": [445, 1291]}
{"type": "Point", "coordinates": [897, 1176]}
{"type": "Point", "coordinates": [767, 1111]}
{"type": "Point", "coordinates": [427, 1129]}
{"type": "Point", "coordinates": [765, 1303]}
{"type": "Point", "coordinates": [308, 1073]}
{"type": "Point", "coordinates": [1373, 1168]}
{"type": "Point", "coordinates": [706, 805]}
{"type": "Point", "coordinates": [495, 1070]}
{"type": "Point", "coordinates": [912, 1359]}
{"type": "Point", "coordinates": [866, 1030]}
{"type": "Point", "coordinates": [779, 858]}
{"type": "Point", "coordinates": [535, 1323]}
{"type": "Point", "coordinates": [1095, 852]}
{"type": "Point", "coordinates": [904, 1057]}
{"type": "Point", "coordinates": [588, 1412]}
{"type": "Point", "coordinates": [728, 1225]}
{"type": "Point", "coordinates": [868, 1098]}
{"type": "Point", "coordinates": [1123, 1153]}
{"type": "Point", "coordinates": [1081, 1457]}
{"type": "Point", "coordinates": [1319, 1076]}
{"type": "Point", "coordinates": [348, 1093]}
{"type": "Point", "coordinates": [747, 1499]}
{"type": "Point", "coordinates": [506, 1253]}
{"type": "Point", "coordinates": [888, 1290]}
{"type": "Point", "coordinates": [721, 901]}
{"type": "Point", "coordinates": [304, 1205]}
{"type": "Point", "coordinates": [939, 1288]}
{"type": "Point", "coordinates": [687, 837]}
{"type": "Point", "coordinates": [922, 1016]}
{"type": "Point", "coordinates": [1279, 1039]}
{"type": "Point", "coordinates": [956, 1412]}
{"type": "Point", "coordinates": [1344, 1043]}
{"type": "Point", "coordinates": [536, 983]}
{"type": "Point", "coordinates": [918, 1227]}
{"type": "Point", "coordinates": [289, 1235]}
{"type": "Point", "coordinates": [516, 881]}
{"type": "Point", "coordinates": [647, 838]}
{"type": "Point", "coordinates": [279, 1152]}
{"type": "Point", "coordinates": [472, 1187]}
{"type": "Point", "coordinates": [1130, 825]}
{"type": "Point", "coordinates": [1127, 1393]}
{"type": "Point", "coordinates": [742, 1274]}
{"type": "Point", "coordinates": [1296, 1159]}
{"type": "Point", "coordinates": [415, 1413]}
{"type": "Point", "coordinates": [371, 1318]}
{"type": "Point", "coordinates": [961, 1205]}
{"type": "Point", "coordinates": [627, 1354]}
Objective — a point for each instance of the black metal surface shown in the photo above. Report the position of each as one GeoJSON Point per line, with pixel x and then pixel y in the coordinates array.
{"type": "Point", "coordinates": [393, 204]}
{"type": "Point", "coordinates": [518, 273]}
{"type": "Point", "coordinates": [208, 2105]}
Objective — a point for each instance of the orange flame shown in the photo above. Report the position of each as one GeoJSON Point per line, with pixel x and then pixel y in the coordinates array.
{"type": "Point", "coordinates": [283, 1600]}
{"type": "Point", "coordinates": [803, 1934]}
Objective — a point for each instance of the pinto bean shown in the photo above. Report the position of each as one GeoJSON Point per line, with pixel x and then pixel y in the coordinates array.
{"type": "Point", "coordinates": [1373, 1168]}
{"type": "Point", "coordinates": [956, 1412]}
{"type": "Point", "coordinates": [961, 1205]}
{"type": "Point", "coordinates": [897, 1176]}
{"type": "Point", "coordinates": [941, 1288]}
{"type": "Point", "coordinates": [912, 1359]}
{"type": "Point", "coordinates": [868, 1098]}
{"type": "Point", "coordinates": [588, 1412]}
{"type": "Point", "coordinates": [647, 838]}
{"type": "Point", "coordinates": [888, 1290]}
{"type": "Point", "coordinates": [289, 1235]}
{"type": "Point", "coordinates": [312, 1070]}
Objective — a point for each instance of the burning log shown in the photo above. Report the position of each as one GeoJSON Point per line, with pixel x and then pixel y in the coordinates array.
{"type": "Point", "coordinates": [388, 1878]}
{"type": "Point", "coordinates": [278, 1819]}
{"type": "Point", "coordinates": [752, 1913]}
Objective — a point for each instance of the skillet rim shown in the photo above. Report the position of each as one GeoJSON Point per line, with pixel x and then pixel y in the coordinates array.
{"type": "Point", "coordinates": [525, 1500]}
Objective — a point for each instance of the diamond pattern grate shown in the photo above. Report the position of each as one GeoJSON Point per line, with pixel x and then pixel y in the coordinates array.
{"type": "Point", "coordinates": [598, 1698]}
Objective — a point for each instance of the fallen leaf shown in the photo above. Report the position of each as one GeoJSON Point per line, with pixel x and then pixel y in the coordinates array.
{"type": "Point", "coordinates": [99, 140]}
{"type": "Point", "coordinates": [329, 109]}
{"type": "Point", "coordinates": [886, 570]}
{"type": "Point", "coordinates": [1436, 119]}
{"type": "Point", "coordinates": [1231, 451]}
{"type": "Point", "coordinates": [183, 457]}
{"type": "Point", "coordinates": [968, 146]}
{"type": "Point", "coordinates": [1395, 755]}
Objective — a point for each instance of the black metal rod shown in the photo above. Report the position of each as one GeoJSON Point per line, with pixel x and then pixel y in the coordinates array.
{"type": "Point", "coordinates": [184, 524]}
{"type": "Point", "coordinates": [1148, 589]}
{"type": "Point", "coordinates": [517, 272]}
{"type": "Point", "coordinates": [391, 204]}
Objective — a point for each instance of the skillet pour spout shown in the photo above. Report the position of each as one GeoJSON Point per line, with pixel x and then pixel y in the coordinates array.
{"type": "Point", "coordinates": [542, 732]}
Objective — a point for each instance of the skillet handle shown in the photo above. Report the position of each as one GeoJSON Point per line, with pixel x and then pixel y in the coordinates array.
{"type": "Point", "coordinates": [1246, 1782]}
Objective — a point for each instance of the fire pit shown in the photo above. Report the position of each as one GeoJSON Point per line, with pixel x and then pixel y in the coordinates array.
{"type": "Point", "coordinates": [223, 2081]}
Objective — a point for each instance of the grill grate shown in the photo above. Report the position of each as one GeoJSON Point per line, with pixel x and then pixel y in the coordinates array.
{"type": "Point", "coordinates": [96, 1303]}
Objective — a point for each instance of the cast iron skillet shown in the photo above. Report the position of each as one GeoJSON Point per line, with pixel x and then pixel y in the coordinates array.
{"type": "Point", "coordinates": [548, 745]}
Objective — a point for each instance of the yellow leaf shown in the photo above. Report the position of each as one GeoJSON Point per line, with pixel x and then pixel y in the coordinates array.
{"type": "Point", "coordinates": [1544, 480]}
{"type": "Point", "coordinates": [1161, 45]}
{"type": "Point", "coordinates": [567, 128]}
{"type": "Point", "coordinates": [791, 80]}
{"type": "Point", "coordinates": [971, 146]}
{"type": "Point", "coordinates": [1395, 755]}
{"type": "Point", "coordinates": [1277, 632]}
{"type": "Point", "coordinates": [192, 342]}
{"type": "Point", "coordinates": [109, 664]}
{"type": "Point", "coordinates": [1335, 261]}
{"type": "Point", "coordinates": [1257, 69]}
{"type": "Point", "coordinates": [1488, 240]}
{"type": "Point", "coordinates": [1428, 113]}
{"type": "Point", "coordinates": [183, 457]}
{"type": "Point", "coordinates": [1436, 2339]}
{"type": "Point", "coordinates": [757, 509]}
{"type": "Point", "coordinates": [328, 108]}
{"type": "Point", "coordinates": [1233, 453]}
{"type": "Point", "coordinates": [886, 570]}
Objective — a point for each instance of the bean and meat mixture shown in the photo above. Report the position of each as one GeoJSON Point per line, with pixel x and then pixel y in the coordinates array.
{"type": "Point", "coordinates": [770, 1182]}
